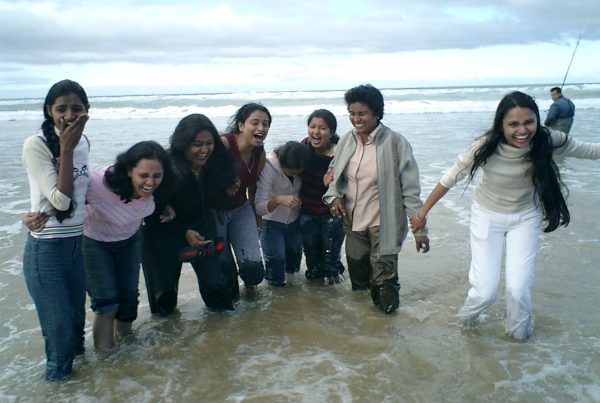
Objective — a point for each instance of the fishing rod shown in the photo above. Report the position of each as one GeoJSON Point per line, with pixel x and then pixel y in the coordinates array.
{"type": "Point", "coordinates": [573, 55]}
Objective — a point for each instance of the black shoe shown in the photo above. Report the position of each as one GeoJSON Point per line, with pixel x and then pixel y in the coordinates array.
{"type": "Point", "coordinates": [374, 295]}
{"type": "Point", "coordinates": [388, 299]}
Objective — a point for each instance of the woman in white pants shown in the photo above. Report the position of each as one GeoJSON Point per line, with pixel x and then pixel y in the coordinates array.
{"type": "Point", "coordinates": [520, 187]}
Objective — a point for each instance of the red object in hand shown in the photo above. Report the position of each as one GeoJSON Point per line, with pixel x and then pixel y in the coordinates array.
{"type": "Point", "coordinates": [192, 253]}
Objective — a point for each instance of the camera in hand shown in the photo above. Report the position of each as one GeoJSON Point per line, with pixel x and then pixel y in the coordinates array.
{"type": "Point", "coordinates": [191, 253]}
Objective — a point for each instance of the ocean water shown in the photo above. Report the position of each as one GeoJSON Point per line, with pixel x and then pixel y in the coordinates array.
{"type": "Point", "coordinates": [307, 343]}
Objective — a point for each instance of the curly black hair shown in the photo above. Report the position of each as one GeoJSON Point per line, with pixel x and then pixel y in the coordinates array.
{"type": "Point", "coordinates": [118, 179]}
{"type": "Point", "coordinates": [368, 95]}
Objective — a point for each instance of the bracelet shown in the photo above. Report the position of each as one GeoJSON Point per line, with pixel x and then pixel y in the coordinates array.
{"type": "Point", "coordinates": [419, 218]}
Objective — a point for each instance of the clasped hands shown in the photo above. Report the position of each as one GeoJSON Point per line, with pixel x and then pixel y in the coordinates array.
{"type": "Point", "coordinates": [418, 222]}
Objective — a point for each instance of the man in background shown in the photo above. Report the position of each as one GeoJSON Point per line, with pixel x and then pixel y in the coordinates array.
{"type": "Point", "coordinates": [561, 112]}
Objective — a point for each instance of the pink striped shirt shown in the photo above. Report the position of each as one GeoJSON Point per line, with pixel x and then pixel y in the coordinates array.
{"type": "Point", "coordinates": [108, 218]}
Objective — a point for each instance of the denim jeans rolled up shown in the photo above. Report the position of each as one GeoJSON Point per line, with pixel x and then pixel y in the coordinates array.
{"type": "Point", "coordinates": [55, 278]}
{"type": "Point", "coordinates": [282, 249]}
{"type": "Point", "coordinates": [322, 239]}
{"type": "Point", "coordinates": [112, 275]}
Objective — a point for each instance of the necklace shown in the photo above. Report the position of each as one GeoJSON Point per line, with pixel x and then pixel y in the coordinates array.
{"type": "Point", "coordinates": [249, 168]}
{"type": "Point", "coordinates": [197, 172]}
{"type": "Point", "coordinates": [245, 146]}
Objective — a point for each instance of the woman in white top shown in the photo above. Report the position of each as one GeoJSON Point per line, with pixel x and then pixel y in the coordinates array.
{"type": "Point", "coordinates": [278, 202]}
{"type": "Point", "coordinates": [520, 187]}
{"type": "Point", "coordinates": [56, 161]}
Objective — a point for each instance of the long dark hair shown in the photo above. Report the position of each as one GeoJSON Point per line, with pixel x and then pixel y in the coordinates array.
{"type": "Point", "coordinates": [219, 173]}
{"type": "Point", "coordinates": [61, 88]}
{"type": "Point", "coordinates": [545, 175]}
{"type": "Point", "coordinates": [118, 179]}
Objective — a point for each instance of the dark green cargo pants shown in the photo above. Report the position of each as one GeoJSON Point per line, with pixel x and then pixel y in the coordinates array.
{"type": "Point", "coordinates": [370, 270]}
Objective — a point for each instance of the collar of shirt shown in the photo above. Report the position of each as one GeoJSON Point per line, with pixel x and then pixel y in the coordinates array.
{"type": "Point", "coordinates": [371, 135]}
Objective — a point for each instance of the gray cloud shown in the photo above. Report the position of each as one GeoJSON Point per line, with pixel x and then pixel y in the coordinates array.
{"type": "Point", "coordinates": [56, 33]}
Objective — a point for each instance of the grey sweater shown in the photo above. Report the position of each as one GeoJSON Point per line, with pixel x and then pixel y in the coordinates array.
{"type": "Point", "coordinates": [506, 185]}
{"type": "Point", "coordinates": [398, 181]}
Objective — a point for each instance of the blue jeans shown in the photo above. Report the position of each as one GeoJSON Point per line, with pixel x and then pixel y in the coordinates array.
{"type": "Point", "coordinates": [238, 229]}
{"type": "Point", "coordinates": [112, 271]}
{"type": "Point", "coordinates": [282, 248]}
{"type": "Point", "coordinates": [55, 279]}
{"type": "Point", "coordinates": [322, 238]}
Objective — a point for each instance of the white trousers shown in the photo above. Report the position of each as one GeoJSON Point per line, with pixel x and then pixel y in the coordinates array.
{"type": "Point", "coordinates": [489, 232]}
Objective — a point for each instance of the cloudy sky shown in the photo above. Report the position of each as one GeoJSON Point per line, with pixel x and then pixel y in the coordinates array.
{"type": "Point", "coordinates": [190, 46]}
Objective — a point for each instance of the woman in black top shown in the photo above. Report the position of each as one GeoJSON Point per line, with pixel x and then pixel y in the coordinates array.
{"type": "Point", "coordinates": [204, 168]}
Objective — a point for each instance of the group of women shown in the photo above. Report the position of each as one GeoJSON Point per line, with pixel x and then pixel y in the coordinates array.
{"type": "Point", "coordinates": [86, 232]}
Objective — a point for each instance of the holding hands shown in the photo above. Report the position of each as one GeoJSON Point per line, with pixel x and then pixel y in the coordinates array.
{"type": "Point", "coordinates": [417, 222]}
{"type": "Point", "coordinates": [422, 243]}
